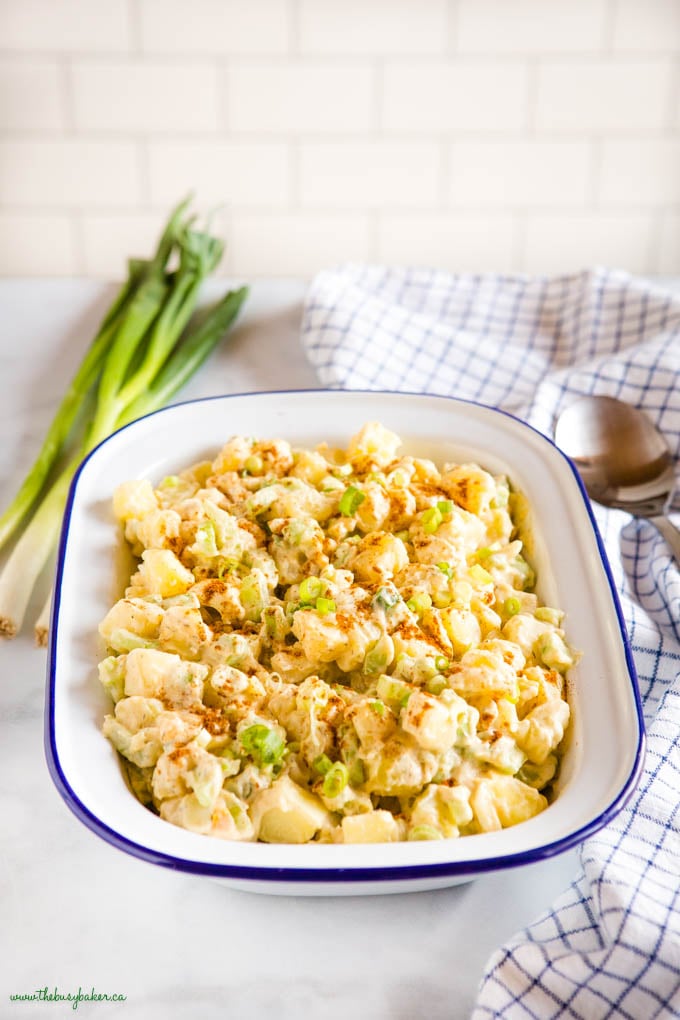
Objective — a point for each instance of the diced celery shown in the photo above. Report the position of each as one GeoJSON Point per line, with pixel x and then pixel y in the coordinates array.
{"type": "Point", "coordinates": [554, 652]}
{"type": "Point", "coordinates": [112, 676]}
{"type": "Point", "coordinates": [548, 615]}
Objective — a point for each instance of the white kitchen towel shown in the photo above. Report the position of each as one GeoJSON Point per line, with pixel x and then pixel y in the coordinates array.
{"type": "Point", "coordinates": [610, 946]}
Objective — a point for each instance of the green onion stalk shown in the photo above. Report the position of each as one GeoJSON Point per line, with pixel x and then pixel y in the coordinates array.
{"type": "Point", "coordinates": [143, 353]}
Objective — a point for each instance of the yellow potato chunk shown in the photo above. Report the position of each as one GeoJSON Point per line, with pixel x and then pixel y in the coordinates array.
{"type": "Point", "coordinates": [161, 573]}
{"type": "Point", "coordinates": [135, 498]}
{"type": "Point", "coordinates": [371, 827]}
{"type": "Point", "coordinates": [285, 813]}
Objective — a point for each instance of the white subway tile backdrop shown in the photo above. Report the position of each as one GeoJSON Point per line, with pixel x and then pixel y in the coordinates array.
{"type": "Point", "coordinates": [530, 136]}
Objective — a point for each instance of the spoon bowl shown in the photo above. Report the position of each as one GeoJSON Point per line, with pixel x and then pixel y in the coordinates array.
{"type": "Point", "coordinates": [623, 459]}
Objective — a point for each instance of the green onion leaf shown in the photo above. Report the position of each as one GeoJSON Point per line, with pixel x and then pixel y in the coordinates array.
{"type": "Point", "coordinates": [351, 500]}
{"type": "Point", "coordinates": [419, 832]}
{"type": "Point", "coordinates": [548, 615]}
{"type": "Point", "coordinates": [263, 744]}
{"type": "Point", "coordinates": [335, 780]}
{"type": "Point", "coordinates": [436, 684]}
{"type": "Point", "coordinates": [310, 589]}
{"type": "Point", "coordinates": [386, 597]}
{"type": "Point", "coordinates": [419, 602]}
{"type": "Point", "coordinates": [512, 606]}
{"type": "Point", "coordinates": [431, 519]}
{"type": "Point", "coordinates": [322, 764]}
{"type": "Point", "coordinates": [479, 574]}
{"type": "Point", "coordinates": [325, 606]}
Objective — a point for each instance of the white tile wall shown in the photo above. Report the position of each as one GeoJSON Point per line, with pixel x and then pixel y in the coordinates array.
{"type": "Point", "coordinates": [520, 174]}
{"type": "Point", "coordinates": [134, 96]}
{"type": "Point", "coordinates": [31, 95]}
{"type": "Point", "coordinates": [537, 135]}
{"type": "Point", "coordinates": [307, 96]}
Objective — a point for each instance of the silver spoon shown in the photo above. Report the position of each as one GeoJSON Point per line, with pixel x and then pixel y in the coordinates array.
{"type": "Point", "coordinates": [623, 459]}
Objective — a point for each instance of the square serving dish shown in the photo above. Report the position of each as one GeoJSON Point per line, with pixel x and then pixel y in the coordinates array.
{"type": "Point", "coordinates": [603, 759]}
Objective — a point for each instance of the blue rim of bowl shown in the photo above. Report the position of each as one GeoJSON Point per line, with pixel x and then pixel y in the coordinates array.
{"type": "Point", "coordinates": [339, 875]}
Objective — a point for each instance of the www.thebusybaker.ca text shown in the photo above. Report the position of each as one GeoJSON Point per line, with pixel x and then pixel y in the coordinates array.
{"type": "Point", "coordinates": [45, 995]}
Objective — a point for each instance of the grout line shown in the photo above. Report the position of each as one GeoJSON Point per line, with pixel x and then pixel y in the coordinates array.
{"type": "Point", "coordinates": [519, 241]}
{"type": "Point", "coordinates": [144, 172]}
{"type": "Point", "coordinates": [609, 28]}
{"type": "Point", "coordinates": [653, 255]}
{"type": "Point", "coordinates": [294, 162]}
{"type": "Point", "coordinates": [595, 172]}
{"type": "Point", "coordinates": [193, 56]}
{"type": "Point", "coordinates": [605, 209]}
{"type": "Point", "coordinates": [453, 27]}
{"type": "Point", "coordinates": [223, 95]}
{"type": "Point", "coordinates": [447, 157]}
{"type": "Point", "coordinates": [378, 108]}
{"type": "Point", "coordinates": [220, 136]}
{"type": "Point", "coordinates": [135, 23]}
{"type": "Point", "coordinates": [533, 74]}
{"type": "Point", "coordinates": [67, 97]}
{"type": "Point", "coordinates": [78, 242]}
{"type": "Point", "coordinates": [374, 219]}
{"type": "Point", "coordinates": [672, 116]}
{"type": "Point", "coordinates": [293, 26]}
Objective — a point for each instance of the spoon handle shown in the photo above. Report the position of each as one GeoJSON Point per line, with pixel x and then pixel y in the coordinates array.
{"type": "Point", "coordinates": [669, 532]}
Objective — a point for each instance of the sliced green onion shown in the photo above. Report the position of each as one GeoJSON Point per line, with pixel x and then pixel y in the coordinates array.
{"type": "Point", "coordinates": [322, 764]}
{"type": "Point", "coordinates": [502, 494]}
{"type": "Point", "coordinates": [335, 780]}
{"type": "Point", "coordinates": [253, 596]}
{"type": "Point", "coordinates": [386, 597]}
{"type": "Point", "coordinates": [378, 656]}
{"type": "Point", "coordinates": [325, 606]}
{"type": "Point", "coordinates": [479, 574]}
{"type": "Point", "coordinates": [431, 519]}
{"type": "Point", "coordinates": [377, 706]}
{"type": "Point", "coordinates": [446, 569]}
{"type": "Point", "coordinates": [351, 500]}
{"type": "Point", "coordinates": [170, 482]}
{"type": "Point", "coordinates": [393, 691]}
{"type": "Point", "coordinates": [445, 506]}
{"type": "Point", "coordinates": [548, 615]}
{"type": "Point", "coordinates": [436, 684]}
{"type": "Point", "coordinates": [206, 538]}
{"type": "Point", "coordinates": [512, 606]}
{"type": "Point", "coordinates": [484, 553]}
{"type": "Point", "coordinates": [263, 744]}
{"type": "Point", "coordinates": [419, 602]}
{"type": "Point", "coordinates": [254, 465]}
{"type": "Point", "coordinates": [310, 589]}
{"type": "Point", "coordinates": [442, 663]}
{"type": "Point", "coordinates": [419, 832]}
{"type": "Point", "coordinates": [526, 573]}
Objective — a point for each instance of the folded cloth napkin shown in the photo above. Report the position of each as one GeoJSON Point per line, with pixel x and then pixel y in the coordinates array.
{"type": "Point", "coordinates": [610, 946]}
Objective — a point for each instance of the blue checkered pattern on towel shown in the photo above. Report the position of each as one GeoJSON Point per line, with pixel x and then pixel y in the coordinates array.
{"type": "Point", "coordinates": [610, 946]}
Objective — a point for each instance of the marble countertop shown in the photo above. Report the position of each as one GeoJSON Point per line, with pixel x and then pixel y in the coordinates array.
{"type": "Point", "coordinates": [77, 913]}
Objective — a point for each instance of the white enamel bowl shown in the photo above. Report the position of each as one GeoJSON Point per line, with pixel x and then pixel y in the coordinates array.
{"type": "Point", "coordinates": [604, 756]}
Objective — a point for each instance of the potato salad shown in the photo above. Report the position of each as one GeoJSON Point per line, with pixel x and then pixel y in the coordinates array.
{"type": "Point", "coordinates": [339, 646]}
